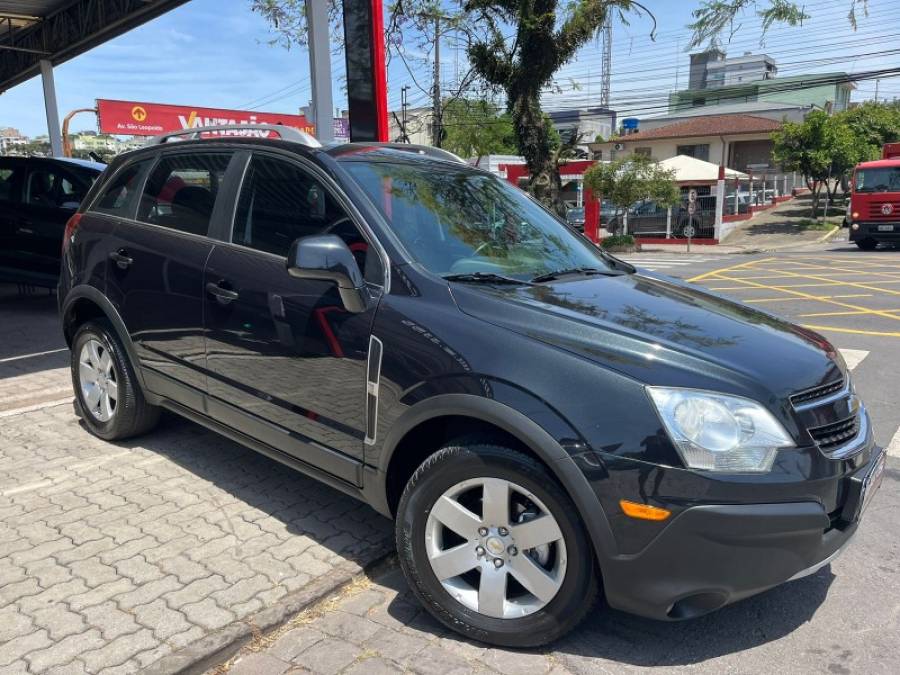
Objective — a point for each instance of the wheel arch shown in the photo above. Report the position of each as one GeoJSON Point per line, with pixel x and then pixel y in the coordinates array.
{"type": "Point", "coordinates": [474, 415]}
{"type": "Point", "coordinates": [84, 303]}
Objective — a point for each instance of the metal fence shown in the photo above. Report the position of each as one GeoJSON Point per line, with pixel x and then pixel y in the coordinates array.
{"type": "Point", "coordinates": [757, 190]}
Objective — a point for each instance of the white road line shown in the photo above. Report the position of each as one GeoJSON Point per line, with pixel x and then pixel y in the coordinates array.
{"type": "Point", "coordinates": [853, 357]}
{"type": "Point", "coordinates": [36, 406]}
{"type": "Point", "coordinates": [893, 448]}
{"type": "Point", "coordinates": [33, 356]}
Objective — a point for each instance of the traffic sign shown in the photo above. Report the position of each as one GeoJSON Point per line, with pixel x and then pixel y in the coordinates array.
{"type": "Point", "coordinates": [692, 208]}
{"type": "Point", "coordinates": [692, 196]}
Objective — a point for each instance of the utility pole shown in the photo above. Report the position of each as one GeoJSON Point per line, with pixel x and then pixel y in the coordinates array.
{"type": "Point", "coordinates": [436, 92]}
{"type": "Point", "coordinates": [404, 105]}
{"type": "Point", "coordinates": [877, 82]}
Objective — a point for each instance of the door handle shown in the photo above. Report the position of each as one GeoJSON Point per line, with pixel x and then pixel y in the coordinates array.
{"type": "Point", "coordinates": [121, 258]}
{"type": "Point", "coordinates": [223, 295]}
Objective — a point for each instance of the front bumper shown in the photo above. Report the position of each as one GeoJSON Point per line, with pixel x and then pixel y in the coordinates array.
{"type": "Point", "coordinates": [712, 555]}
{"type": "Point", "coordinates": [872, 231]}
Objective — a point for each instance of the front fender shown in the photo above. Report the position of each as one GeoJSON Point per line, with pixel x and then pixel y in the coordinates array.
{"type": "Point", "coordinates": [558, 450]}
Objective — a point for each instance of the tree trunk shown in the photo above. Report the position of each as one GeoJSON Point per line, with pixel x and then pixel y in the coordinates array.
{"type": "Point", "coordinates": [534, 142]}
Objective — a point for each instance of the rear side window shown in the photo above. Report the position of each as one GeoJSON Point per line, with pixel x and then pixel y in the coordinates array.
{"type": "Point", "coordinates": [118, 197]}
{"type": "Point", "coordinates": [181, 191]}
{"type": "Point", "coordinates": [9, 184]}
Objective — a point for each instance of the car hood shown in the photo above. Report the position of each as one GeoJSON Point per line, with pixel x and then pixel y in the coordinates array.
{"type": "Point", "coordinates": [661, 332]}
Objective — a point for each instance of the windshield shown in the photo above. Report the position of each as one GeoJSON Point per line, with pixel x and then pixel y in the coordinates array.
{"type": "Point", "coordinates": [883, 179]}
{"type": "Point", "coordinates": [454, 220]}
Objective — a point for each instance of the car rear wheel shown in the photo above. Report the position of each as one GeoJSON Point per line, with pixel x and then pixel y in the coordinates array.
{"type": "Point", "coordinates": [867, 244]}
{"type": "Point", "coordinates": [107, 397]}
{"type": "Point", "coordinates": [494, 548]}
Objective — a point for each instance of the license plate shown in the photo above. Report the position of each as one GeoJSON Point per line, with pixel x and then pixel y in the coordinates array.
{"type": "Point", "coordinates": [872, 482]}
{"type": "Point", "coordinates": [885, 228]}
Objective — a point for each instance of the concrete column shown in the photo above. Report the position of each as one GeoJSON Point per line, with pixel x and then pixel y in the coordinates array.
{"type": "Point", "coordinates": [720, 202]}
{"type": "Point", "coordinates": [53, 128]}
{"type": "Point", "coordinates": [320, 68]}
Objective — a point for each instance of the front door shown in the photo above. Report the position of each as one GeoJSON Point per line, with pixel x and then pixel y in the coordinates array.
{"type": "Point", "coordinates": [156, 270]}
{"type": "Point", "coordinates": [12, 175]}
{"type": "Point", "coordinates": [284, 351]}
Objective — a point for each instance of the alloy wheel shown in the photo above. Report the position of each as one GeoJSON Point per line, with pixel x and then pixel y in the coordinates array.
{"type": "Point", "coordinates": [97, 377]}
{"type": "Point", "coordinates": [495, 547]}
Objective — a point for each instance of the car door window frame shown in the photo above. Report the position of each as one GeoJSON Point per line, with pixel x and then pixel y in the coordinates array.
{"type": "Point", "coordinates": [332, 190]}
{"type": "Point", "coordinates": [100, 188]}
{"type": "Point", "coordinates": [19, 170]}
{"type": "Point", "coordinates": [220, 205]}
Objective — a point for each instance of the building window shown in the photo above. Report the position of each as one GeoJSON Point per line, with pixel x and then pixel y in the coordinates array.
{"type": "Point", "coordinates": [697, 151]}
{"type": "Point", "coordinates": [643, 152]}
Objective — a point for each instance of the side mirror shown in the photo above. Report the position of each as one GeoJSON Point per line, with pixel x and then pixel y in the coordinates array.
{"type": "Point", "coordinates": [325, 257]}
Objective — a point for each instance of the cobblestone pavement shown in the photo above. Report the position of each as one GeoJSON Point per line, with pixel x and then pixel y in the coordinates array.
{"type": "Point", "coordinates": [844, 619]}
{"type": "Point", "coordinates": [113, 556]}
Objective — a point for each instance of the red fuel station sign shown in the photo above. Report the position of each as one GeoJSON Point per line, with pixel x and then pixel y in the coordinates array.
{"type": "Point", "coordinates": [133, 118]}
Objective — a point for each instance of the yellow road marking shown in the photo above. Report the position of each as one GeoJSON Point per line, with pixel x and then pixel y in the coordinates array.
{"type": "Point", "coordinates": [838, 282]}
{"type": "Point", "coordinates": [847, 313]}
{"type": "Point", "coordinates": [853, 330]}
{"type": "Point", "coordinates": [843, 270]}
{"type": "Point", "coordinates": [812, 297]}
{"type": "Point", "coordinates": [727, 269]}
{"type": "Point", "coordinates": [814, 277]}
{"type": "Point", "coordinates": [801, 294]}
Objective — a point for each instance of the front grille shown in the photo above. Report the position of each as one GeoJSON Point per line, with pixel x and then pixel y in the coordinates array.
{"type": "Point", "coordinates": [832, 436]}
{"type": "Point", "coordinates": [875, 212]}
{"type": "Point", "coordinates": [816, 393]}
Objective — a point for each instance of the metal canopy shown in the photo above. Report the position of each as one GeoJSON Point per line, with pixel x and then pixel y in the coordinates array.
{"type": "Point", "coordinates": [58, 30]}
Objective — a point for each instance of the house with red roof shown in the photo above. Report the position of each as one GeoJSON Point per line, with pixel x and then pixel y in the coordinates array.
{"type": "Point", "coordinates": [736, 141]}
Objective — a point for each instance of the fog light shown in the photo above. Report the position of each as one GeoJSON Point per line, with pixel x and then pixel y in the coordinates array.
{"type": "Point", "coordinates": [854, 226]}
{"type": "Point", "coordinates": [855, 214]}
{"type": "Point", "coordinates": [643, 511]}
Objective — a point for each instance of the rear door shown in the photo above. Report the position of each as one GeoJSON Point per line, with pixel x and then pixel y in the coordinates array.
{"type": "Point", "coordinates": [286, 361]}
{"type": "Point", "coordinates": [156, 270]}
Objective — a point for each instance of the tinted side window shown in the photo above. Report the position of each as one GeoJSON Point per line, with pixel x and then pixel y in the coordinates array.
{"type": "Point", "coordinates": [43, 187]}
{"type": "Point", "coordinates": [181, 191]}
{"type": "Point", "coordinates": [280, 202]}
{"type": "Point", "coordinates": [117, 198]}
{"type": "Point", "coordinates": [9, 184]}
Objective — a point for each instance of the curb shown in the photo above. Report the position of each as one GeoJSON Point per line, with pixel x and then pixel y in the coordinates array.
{"type": "Point", "coordinates": [783, 247]}
{"type": "Point", "coordinates": [220, 645]}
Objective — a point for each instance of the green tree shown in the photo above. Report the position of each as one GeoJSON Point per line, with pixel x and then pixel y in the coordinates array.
{"type": "Point", "coordinates": [475, 129]}
{"type": "Point", "coordinates": [874, 124]}
{"type": "Point", "coordinates": [546, 34]}
{"type": "Point", "coordinates": [715, 17]}
{"type": "Point", "coordinates": [630, 179]}
{"type": "Point", "coordinates": [824, 148]}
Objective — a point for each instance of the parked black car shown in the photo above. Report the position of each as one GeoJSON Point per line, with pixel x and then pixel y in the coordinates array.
{"type": "Point", "coordinates": [37, 196]}
{"type": "Point", "coordinates": [542, 420]}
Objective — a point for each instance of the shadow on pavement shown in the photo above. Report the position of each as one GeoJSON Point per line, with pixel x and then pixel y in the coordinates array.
{"type": "Point", "coordinates": [617, 637]}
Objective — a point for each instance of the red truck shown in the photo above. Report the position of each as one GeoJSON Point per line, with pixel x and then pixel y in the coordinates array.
{"type": "Point", "coordinates": [874, 211]}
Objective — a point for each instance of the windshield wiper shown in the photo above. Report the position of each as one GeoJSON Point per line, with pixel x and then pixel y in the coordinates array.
{"type": "Point", "coordinates": [587, 271]}
{"type": "Point", "coordinates": [486, 278]}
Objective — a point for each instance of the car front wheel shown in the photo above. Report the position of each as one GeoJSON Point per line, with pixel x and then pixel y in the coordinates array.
{"type": "Point", "coordinates": [493, 546]}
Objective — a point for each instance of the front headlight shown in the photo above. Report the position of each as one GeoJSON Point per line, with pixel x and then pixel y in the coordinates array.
{"type": "Point", "coordinates": [718, 432]}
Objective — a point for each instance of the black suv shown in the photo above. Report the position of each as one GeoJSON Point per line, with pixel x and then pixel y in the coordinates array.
{"type": "Point", "coordinates": [541, 420]}
{"type": "Point", "coordinates": [37, 196]}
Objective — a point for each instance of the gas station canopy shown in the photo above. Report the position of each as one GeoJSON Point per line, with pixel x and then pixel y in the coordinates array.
{"type": "Point", "coordinates": [32, 31]}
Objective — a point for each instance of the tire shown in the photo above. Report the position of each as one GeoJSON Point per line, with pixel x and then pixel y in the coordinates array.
{"type": "Point", "coordinates": [867, 244]}
{"type": "Point", "coordinates": [131, 415]}
{"type": "Point", "coordinates": [568, 561]}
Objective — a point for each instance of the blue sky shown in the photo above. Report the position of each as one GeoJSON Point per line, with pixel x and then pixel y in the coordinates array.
{"type": "Point", "coordinates": [216, 53]}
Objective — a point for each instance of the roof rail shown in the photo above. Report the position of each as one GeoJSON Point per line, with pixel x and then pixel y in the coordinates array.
{"type": "Point", "coordinates": [284, 132]}
{"type": "Point", "coordinates": [427, 150]}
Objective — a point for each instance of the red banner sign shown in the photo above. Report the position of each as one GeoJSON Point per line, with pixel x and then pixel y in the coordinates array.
{"type": "Point", "coordinates": [133, 118]}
